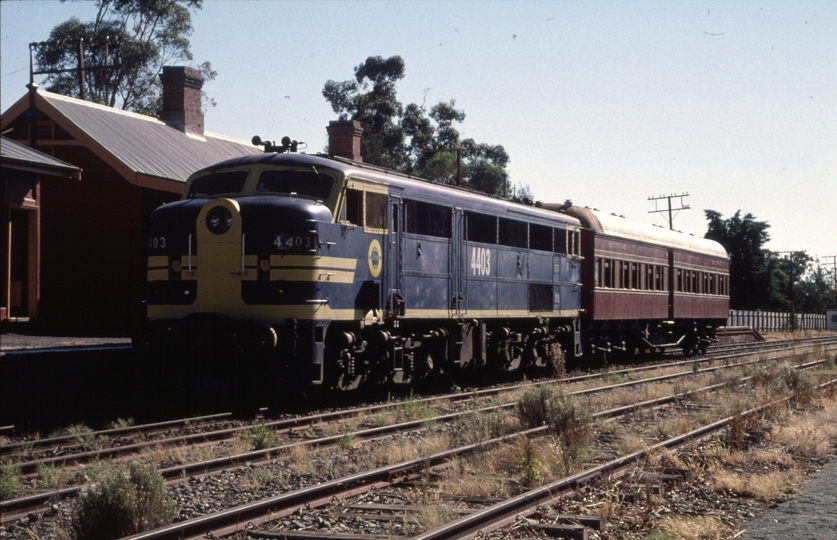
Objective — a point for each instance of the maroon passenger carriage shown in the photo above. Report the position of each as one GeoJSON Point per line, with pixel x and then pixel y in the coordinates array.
{"type": "Point", "coordinates": [645, 287]}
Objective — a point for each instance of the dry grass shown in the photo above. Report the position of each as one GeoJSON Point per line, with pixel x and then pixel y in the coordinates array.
{"type": "Point", "coordinates": [809, 434]}
{"type": "Point", "coordinates": [432, 516]}
{"type": "Point", "coordinates": [764, 487]}
{"type": "Point", "coordinates": [694, 528]}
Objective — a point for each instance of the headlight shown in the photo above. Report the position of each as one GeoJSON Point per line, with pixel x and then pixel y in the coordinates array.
{"type": "Point", "coordinates": [219, 220]}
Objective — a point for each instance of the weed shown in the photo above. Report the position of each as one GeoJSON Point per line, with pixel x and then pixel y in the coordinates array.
{"type": "Point", "coordinates": [82, 435]}
{"type": "Point", "coordinates": [260, 437]}
{"type": "Point", "coordinates": [347, 442]}
{"type": "Point", "coordinates": [9, 479]}
{"type": "Point", "coordinates": [412, 410]}
{"type": "Point", "coordinates": [121, 423]}
{"type": "Point", "coordinates": [52, 475]}
{"type": "Point", "coordinates": [484, 426]}
{"type": "Point", "coordinates": [455, 389]}
{"type": "Point", "coordinates": [533, 406]}
{"type": "Point", "coordinates": [530, 466]}
{"type": "Point", "coordinates": [125, 499]}
{"type": "Point", "coordinates": [255, 477]}
{"type": "Point", "coordinates": [803, 387]}
{"type": "Point", "coordinates": [378, 420]}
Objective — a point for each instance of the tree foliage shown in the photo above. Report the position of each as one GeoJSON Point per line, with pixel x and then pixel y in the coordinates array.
{"type": "Point", "coordinates": [148, 35]}
{"type": "Point", "coordinates": [412, 138]}
{"type": "Point", "coordinates": [764, 280]}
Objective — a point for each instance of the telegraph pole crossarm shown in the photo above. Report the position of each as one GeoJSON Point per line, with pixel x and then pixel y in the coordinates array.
{"type": "Point", "coordinates": [683, 206]}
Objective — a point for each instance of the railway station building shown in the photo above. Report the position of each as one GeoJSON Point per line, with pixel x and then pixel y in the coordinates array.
{"type": "Point", "coordinates": [99, 172]}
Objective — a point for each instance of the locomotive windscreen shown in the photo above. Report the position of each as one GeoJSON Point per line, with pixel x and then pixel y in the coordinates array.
{"type": "Point", "coordinates": [218, 184]}
{"type": "Point", "coordinates": [306, 183]}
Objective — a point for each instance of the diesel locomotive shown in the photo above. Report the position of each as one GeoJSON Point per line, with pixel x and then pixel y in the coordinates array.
{"type": "Point", "coordinates": [313, 270]}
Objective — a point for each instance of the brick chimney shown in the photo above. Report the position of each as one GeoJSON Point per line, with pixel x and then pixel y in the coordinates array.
{"type": "Point", "coordinates": [182, 99]}
{"type": "Point", "coordinates": [344, 139]}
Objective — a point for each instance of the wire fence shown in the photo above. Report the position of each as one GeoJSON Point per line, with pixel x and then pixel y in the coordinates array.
{"type": "Point", "coordinates": [771, 321]}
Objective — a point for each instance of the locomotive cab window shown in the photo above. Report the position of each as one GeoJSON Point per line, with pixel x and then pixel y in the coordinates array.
{"type": "Point", "coordinates": [219, 183]}
{"type": "Point", "coordinates": [365, 205]}
{"type": "Point", "coordinates": [305, 183]}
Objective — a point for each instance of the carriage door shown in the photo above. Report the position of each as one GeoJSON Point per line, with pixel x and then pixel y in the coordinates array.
{"type": "Point", "coordinates": [457, 263]}
{"type": "Point", "coordinates": [395, 301]}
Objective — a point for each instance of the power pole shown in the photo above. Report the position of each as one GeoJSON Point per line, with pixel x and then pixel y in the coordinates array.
{"type": "Point", "coordinates": [790, 261]}
{"type": "Point", "coordinates": [80, 69]}
{"type": "Point", "coordinates": [834, 263]}
{"type": "Point", "coordinates": [683, 206]}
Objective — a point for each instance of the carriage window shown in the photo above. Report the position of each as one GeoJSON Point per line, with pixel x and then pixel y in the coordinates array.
{"type": "Point", "coordinates": [658, 278]}
{"type": "Point", "coordinates": [634, 276]}
{"type": "Point", "coordinates": [608, 273]}
{"type": "Point", "coordinates": [597, 272]}
{"type": "Point", "coordinates": [560, 241]}
{"type": "Point", "coordinates": [376, 210]}
{"type": "Point", "coordinates": [540, 237]}
{"type": "Point", "coordinates": [428, 219]}
{"type": "Point", "coordinates": [308, 183]}
{"type": "Point", "coordinates": [353, 206]}
{"type": "Point", "coordinates": [679, 280]}
{"type": "Point", "coordinates": [481, 228]}
{"type": "Point", "coordinates": [513, 233]}
{"type": "Point", "coordinates": [220, 183]}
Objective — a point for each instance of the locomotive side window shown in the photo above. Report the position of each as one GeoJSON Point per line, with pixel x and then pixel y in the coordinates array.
{"type": "Point", "coordinates": [540, 237]}
{"type": "Point", "coordinates": [428, 219]}
{"type": "Point", "coordinates": [219, 183]}
{"type": "Point", "coordinates": [353, 207]}
{"type": "Point", "coordinates": [376, 210]}
{"type": "Point", "coordinates": [481, 228]}
{"type": "Point", "coordinates": [305, 183]}
{"type": "Point", "coordinates": [513, 233]}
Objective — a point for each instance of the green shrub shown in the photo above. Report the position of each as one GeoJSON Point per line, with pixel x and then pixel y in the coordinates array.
{"type": "Point", "coordinates": [533, 407]}
{"type": "Point", "coordinates": [124, 499]}
{"type": "Point", "coordinates": [261, 437]}
{"type": "Point", "coordinates": [9, 479]}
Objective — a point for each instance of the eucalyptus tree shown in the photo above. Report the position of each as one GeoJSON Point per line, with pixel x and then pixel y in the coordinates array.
{"type": "Point", "coordinates": [134, 39]}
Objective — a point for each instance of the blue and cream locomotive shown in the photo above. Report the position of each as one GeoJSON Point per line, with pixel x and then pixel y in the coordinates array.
{"type": "Point", "coordinates": [318, 270]}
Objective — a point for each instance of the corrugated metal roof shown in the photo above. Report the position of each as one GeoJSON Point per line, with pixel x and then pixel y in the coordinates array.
{"type": "Point", "coordinates": [144, 144]}
{"type": "Point", "coordinates": [13, 150]}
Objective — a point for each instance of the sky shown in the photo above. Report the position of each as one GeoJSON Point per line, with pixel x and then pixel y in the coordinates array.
{"type": "Point", "coordinates": [606, 103]}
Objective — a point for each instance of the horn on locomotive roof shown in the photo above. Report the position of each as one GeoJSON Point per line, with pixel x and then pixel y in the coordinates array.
{"type": "Point", "coordinates": [287, 145]}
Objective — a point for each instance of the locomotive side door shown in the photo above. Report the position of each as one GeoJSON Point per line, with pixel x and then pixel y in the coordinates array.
{"type": "Point", "coordinates": [457, 263]}
{"type": "Point", "coordinates": [395, 300]}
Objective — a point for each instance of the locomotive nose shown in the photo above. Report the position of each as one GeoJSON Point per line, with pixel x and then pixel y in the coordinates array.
{"type": "Point", "coordinates": [220, 240]}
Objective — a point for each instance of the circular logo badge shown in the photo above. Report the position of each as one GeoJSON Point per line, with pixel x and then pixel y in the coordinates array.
{"type": "Point", "coordinates": [374, 258]}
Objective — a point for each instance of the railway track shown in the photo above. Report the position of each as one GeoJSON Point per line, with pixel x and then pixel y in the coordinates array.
{"type": "Point", "coordinates": [386, 474]}
{"type": "Point", "coordinates": [341, 492]}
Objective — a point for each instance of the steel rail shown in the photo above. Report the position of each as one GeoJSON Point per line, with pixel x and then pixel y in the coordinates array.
{"type": "Point", "coordinates": [501, 514]}
{"type": "Point", "coordinates": [241, 518]}
{"type": "Point", "coordinates": [203, 467]}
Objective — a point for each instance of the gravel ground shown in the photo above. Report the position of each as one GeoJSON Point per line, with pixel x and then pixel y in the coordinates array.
{"type": "Point", "coordinates": [810, 515]}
